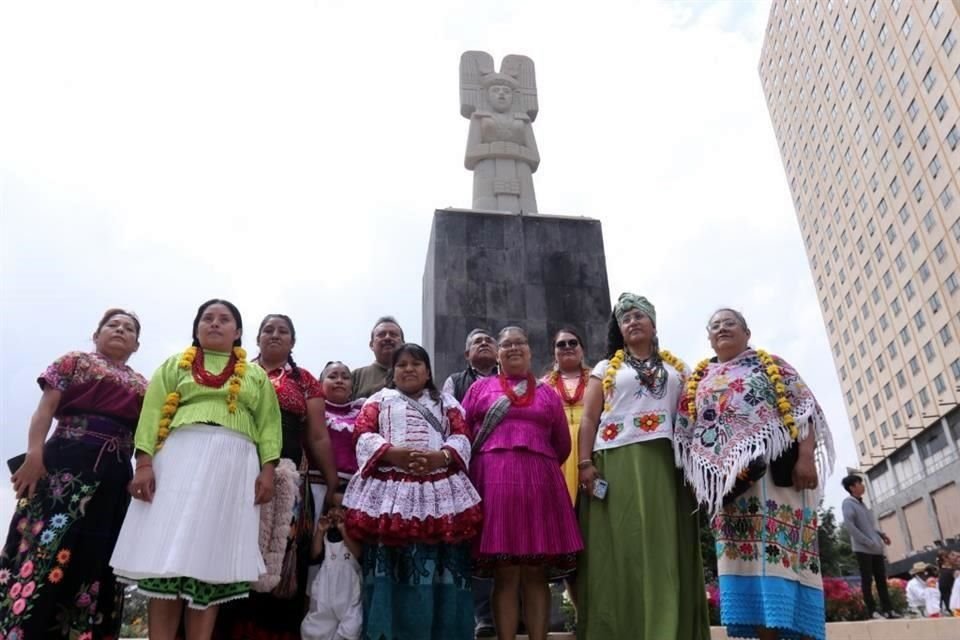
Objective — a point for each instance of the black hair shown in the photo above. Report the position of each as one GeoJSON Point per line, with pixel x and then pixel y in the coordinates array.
{"type": "Point", "coordinates": [233, 311]}
{"type": "Point", "coordinates": [384, 319]}
{"type": "Point", "coordinates": [295, 370]}
{"type": "Point", "coordinates": [615, 339]}
{"type": "Point", "coordinates": [850, 482]}
{"type": "Point", "coordinates": [571, 331]}
{"type": "Point", "coordinates": [323, 372]}
{"type": "Point", "coordinates": [417, 353]}
{"type": "Point", "coordinates": [116, 311]}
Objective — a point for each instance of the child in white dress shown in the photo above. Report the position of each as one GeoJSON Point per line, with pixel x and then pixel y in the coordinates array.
{"type": "Point", "coordinates": [335, 610]}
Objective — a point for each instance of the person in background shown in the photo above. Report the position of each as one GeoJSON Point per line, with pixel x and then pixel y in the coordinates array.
{"type": "Point", "coordinates": [923, 596]}
{"type": "Point", "coordinates": [55, 579]}
{"type": "Point", "coordinates": [336, 612]}
{"type": "Point", "coordinates": [867, 542]}
{"type": "Point", "coordinates": [480, 353]}
{"type": "Point", "coordinates": [385, 337]}
{"type": "Point", "coordinates": [275, 614]}
{"type": "Point", "coordinates": [207, 442]}
{"type": "Point", "coordinates": [948, 562]}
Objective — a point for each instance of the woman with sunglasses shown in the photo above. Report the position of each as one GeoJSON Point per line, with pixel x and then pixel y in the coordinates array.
{"type": "Point", "coordinates": [568, 377]}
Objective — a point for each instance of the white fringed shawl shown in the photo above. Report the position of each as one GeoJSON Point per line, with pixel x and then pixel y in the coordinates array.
{"type": "Point", "coordinates": [737, 421]}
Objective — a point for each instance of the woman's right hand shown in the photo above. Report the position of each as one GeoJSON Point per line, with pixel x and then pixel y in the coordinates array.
{"type": "Point", "coordinates": [143, 485]}
{"type": "Point", "coordinates": [399, 457]}
{"type": "Point", "coordinates": [588, 475]}
{"type": "Point", "coordinates": [28, 475]}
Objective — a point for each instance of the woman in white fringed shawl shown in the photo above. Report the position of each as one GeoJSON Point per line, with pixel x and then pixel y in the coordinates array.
{"type": "Point", "coordinates": [755, 447]}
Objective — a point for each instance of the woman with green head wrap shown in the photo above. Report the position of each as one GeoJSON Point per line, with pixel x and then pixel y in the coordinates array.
{"type": "Point", "coordinates": [640, 576]}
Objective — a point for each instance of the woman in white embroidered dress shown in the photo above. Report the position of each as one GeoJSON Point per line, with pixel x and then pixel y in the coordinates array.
{"type": "Point", "coordinates": [413, 507]}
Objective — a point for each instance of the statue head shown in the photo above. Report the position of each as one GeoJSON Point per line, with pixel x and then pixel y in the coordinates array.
{"type": "Point", "coordinates": [500, 88]}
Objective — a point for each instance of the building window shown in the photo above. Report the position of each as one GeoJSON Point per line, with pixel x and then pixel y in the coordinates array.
{"type": "Point", "coordinates": [935, 304]}
{"type": "Point", "coordinates": [949, 42]}
{"type": "Point", "coordinates": [880, 365]}
{"type": "Point", "coordinates": [904, 214]}
{"type": "Point", "coordinates": [900, 261]}
{"type": "Point", "coordinates": [934, 167]}
{"type": "Point", "coordinates": [885, 158]}
{"type": "Point", "coordinates": [892, 58]}
{"type": "Point", "coordinates": [941, 107]}
{"type": "Point", "coordinates": [887, 391]}
{"type": "Point", "coordinates": [940, 252]}
{"type": "Point", "coordinates": [939, 384]}
{"type": "Point", "coordinates": [945, 336]}
{"type": "Point", "coordinates": [904, 336]}
{"type": "Point", "coordinates": [929, 79]}
{"type": "Point", "coordinates": [953, 137]}
{"type": "Point", "coordinates": [895, 186]}
{"type": "Point", "coordinates": [923, 396]}
{"type": "Point", "coordinates": [907, 26]}
{"type": "Point", "coordinates": [924, 271]}
{"type": "Point", "coordinates": [908, 290]}
{"type": "Point", "coordinates": [901, 382]}
{"type": "Point", "coordinates": [913, 110]}
{"type": "Point", "coordinates": [863, 449]}
{"type": "Point", "coordinates": [946, 198]}
{"type": "Point", "coordinates": [898, 136]}
{"type": "Point", "coordinates": [923, 138]}
{"type": "Point", "coordinates": [936, 15]}
{"type": "Point", "coordinates": [914, 365]}
{"type": "Point", "coordinates": [887, 278]}
{"type": "Point", "coordinates": [908, 408]}
{"type": "Point", "coordinates": [918, 190]}
{"type": "Point", "coordinates": [882, 205]}
{"type": "Point", "coordinates": [902, 83]}
{"type": "Point", "coordinates": [952, 283]}
{"type": "Point", "coordinates": [882, 34]}
{"type": "Point", "coordinates": [918, 320]}
{"type": "Point", "coordinates": [928, 351]}
{"type": "Point", "coordinates": [955, 369]}
{"type": "Point", "coordinates": [897, 422]}
{"type": "Point", "coordinates": [895, 307]}
{"type": "Point", "coordinates": [908, 163]}
{"type": "Point", "coordinates": [888, 110]}
{"type": "Point", "coordinates": [884, 323]}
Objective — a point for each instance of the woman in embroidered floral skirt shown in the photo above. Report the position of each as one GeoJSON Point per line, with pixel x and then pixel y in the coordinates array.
{"type": "Point", "coordinates": [55, 580]}
{"type": "Point", "coordinates": [207, 442]}
{"type": "Point", "coordinates": [275, 615]}
{"type": "Point", "coordinates": [413, 507]}
{"type": "Point", "coordinates": [756, 448]}
{"type": "Point", "coordinates": [530, 531]}
{"type": "Point", "coordinates": [641, 575]}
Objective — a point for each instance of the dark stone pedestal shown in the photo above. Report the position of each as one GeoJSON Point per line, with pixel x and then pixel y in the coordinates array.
{"type": "Point", "coordinates": [490, 270]}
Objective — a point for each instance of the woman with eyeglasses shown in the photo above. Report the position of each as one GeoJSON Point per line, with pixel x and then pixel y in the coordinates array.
{"type": "Point", "coordinates": [529, 534]}
{"type": "Point", "coordinates": [641, 575]}
{"type": "Point", "coordinates": [756, 449]}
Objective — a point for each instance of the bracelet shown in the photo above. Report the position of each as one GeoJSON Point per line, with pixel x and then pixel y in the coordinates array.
{"type": "Point", "coordinates": [583, 464]}
{"type": "Point", "coordinates": [145, 464]}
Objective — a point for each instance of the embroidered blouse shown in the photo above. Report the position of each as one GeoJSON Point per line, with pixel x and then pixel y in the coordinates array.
{"type": "Point", "coordinates": [635, 415]}
{"type": "Point", "coordinates": [91, 383]}
{"type": "Point", "coordinates": [341, 419]}
{"type": "Point", "coordinates": [257, 416]}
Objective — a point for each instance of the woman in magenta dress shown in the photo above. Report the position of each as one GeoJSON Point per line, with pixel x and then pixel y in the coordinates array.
{"type": "Point", "coordinates": [529, 532]}
{"type": "Point", "coordinates": [341, 416]}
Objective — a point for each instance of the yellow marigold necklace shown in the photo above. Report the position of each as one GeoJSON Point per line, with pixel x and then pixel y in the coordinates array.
{"type": "Point", "coordinates": [774, 374]}
{"type": "Point", "coordinates": [610, 375]}
{"type": "Point", "coordinates": [192, 359]}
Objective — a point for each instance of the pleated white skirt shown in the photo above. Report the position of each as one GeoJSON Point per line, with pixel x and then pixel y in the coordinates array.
{"type": "Point", "coordinates": [202, 523]}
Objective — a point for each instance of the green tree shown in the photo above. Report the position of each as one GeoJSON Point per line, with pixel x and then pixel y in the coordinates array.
{"type": "Point", "coordinates": [836, 556]}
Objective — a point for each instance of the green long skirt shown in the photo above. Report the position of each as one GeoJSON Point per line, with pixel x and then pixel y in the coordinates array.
{"type": "Point", "coordinates": [640, 576]}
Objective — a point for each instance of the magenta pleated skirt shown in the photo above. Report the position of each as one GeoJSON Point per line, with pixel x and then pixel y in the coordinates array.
{"type": "Point", "coordinates": [527, 517]}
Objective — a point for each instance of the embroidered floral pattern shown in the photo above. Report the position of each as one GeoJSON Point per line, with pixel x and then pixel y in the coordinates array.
{"type": "Point", "coordinates": [649, 421]}
{"type": "Point", "coordinates": [750, 530]}
{"type": "Point", "coordinates": [611, 431]}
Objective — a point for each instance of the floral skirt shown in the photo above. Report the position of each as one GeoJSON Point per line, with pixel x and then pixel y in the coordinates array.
{"type": "Point", "coordinates": [769, 563]}
{"type": "Point", "coordinates": [55, 577]}
{"type": "Point", "coordinates": [417, 592]}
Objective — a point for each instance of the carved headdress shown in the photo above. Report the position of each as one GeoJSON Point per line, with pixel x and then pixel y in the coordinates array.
{"type": "Point", "coordinates": [477, 74]}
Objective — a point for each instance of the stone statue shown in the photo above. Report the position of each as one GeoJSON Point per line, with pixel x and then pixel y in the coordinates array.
{"type": "Point", "coordinates": [501, 149]}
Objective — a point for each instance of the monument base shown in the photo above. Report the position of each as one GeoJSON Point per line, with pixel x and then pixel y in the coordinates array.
{"type": "Point", "coordinates": [490, 269]}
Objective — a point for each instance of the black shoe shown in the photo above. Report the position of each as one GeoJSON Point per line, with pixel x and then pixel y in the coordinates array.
{"type": "Point", "coordinates": [892, 615]}
{"type": "Point", "coordinates": [485, 631]}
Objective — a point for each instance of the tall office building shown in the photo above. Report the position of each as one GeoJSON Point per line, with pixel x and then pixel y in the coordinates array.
{"type": "Point", "coordinates": [865, 103]}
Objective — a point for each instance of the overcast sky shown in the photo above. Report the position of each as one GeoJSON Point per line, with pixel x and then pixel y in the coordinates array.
{"type": "Point", "coordinates": [289, 156]}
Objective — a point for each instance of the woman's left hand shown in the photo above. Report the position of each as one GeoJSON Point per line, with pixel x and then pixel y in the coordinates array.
{"type": "Point", "coordinates": [427, 462]}
{"type": "Point", "coordinates": [805, 474]}
{"type": "Point", "coordinates": [263, 487]}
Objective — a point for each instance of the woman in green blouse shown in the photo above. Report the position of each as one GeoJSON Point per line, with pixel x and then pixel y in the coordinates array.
{"type": "Point", "coordinates": [207, 442]}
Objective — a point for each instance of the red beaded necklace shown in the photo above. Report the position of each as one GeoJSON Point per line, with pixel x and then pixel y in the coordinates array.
{"type": "Point", "coordinates": [207, 379]}
{"type": "Point", "coordinates": [577, 394]}
{"type": "Point", "coordinates": [518, 401]}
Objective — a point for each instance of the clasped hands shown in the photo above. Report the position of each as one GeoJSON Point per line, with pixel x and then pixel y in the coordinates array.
{"type": "Point", "coordinates": [415, 461]}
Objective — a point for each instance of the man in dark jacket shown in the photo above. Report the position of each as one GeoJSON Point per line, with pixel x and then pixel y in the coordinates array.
{"type": "Point", "coordinates": [867, 542]}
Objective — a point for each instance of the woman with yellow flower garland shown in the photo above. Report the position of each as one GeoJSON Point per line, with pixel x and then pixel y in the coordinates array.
{"type": "Point", "coordinates": [207, 442]}
{"type": "Point", "coordinates": [756, 449]}
{"type": "Point", "coordinates": [640, 575]}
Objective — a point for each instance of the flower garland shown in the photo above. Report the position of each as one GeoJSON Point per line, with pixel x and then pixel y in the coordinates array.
{"type": "Point", "coordinates": [518, 401]}
{"type": "Point", "coordinates": [555, 380]}
{"type": "Point", "coordinates": [610, 375]}
{"type": "Point", "coordinates": [775, 376]}
{"type": "Point", "coordinates": [234, 371]}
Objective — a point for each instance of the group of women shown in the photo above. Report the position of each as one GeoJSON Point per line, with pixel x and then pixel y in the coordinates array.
{"type": "Point", "coordinates": [593, 475]}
